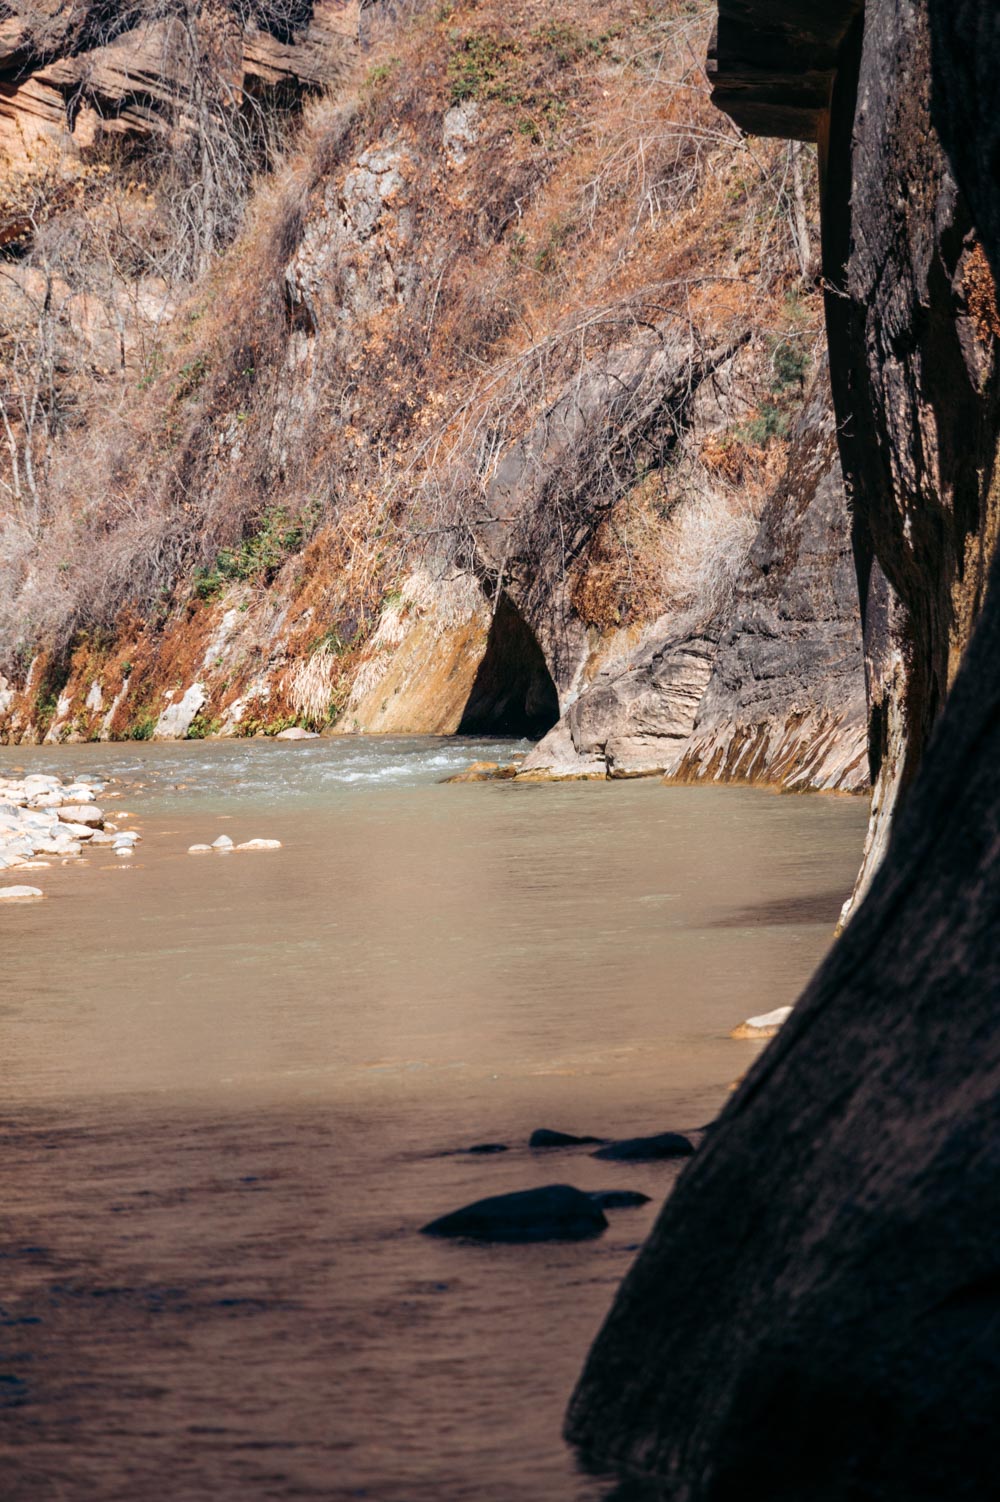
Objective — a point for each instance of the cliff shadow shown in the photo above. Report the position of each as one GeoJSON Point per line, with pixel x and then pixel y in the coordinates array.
{"type": "Point", "coordinates": [513, 692]}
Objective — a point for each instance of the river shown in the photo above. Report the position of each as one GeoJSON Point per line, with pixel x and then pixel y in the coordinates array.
{"type": "Point", "coordinates": [235, 1086]}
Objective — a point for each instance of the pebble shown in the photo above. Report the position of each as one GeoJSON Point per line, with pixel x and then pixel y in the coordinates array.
{"type": "Point", "coordinates": [222, 843]}
{"type": "Point", "coordinates": [260, 845]}
{"type": "Point", "coordinates": [199, 850]}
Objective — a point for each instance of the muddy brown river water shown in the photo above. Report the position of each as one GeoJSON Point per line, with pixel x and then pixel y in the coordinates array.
{"type": "Point", "coordinates": [234, 1087]}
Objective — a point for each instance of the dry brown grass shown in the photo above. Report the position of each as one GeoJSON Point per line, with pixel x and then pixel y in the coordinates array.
{"type": "Point", "coordinates": [604, 196]}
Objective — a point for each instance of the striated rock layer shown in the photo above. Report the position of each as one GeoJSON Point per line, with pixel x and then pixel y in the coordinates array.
{"type": "Point", "coordinates": [785, 702]}
{"type": "Point", "coordinates": [816, 1313]}
{"type": "Point", "coordinates": [71, 74]}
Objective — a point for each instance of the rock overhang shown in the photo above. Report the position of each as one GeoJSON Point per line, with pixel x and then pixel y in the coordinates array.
{"type": "Point", "coordinates": [772, 63]}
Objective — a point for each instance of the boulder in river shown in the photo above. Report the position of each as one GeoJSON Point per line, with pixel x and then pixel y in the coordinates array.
{"type": "Point", "coordinates": [296, 733]}
{"type": "Point", "coordinates": [199, 850]}
{"type": "Point", "coordinates": [646, 1149]}
{"type": "Point", "coordinates": [546, 1137]}
{"type": "Point", "coordinates": [222, 843]}
{"type": "Point", "coordinates": [19, 894]}
{"type": "Point", "coordinates": [556, 1212]}
{"type": "Point", "coordinates": [260, 845]}
{"type": "Point", "coordinates": [81, 813]}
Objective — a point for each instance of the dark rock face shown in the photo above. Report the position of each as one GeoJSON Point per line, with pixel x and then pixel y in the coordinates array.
{"type": "Point", "coordinates": [817, 1312]}
{"type": "Point", "coordinates": [646, 1149]}
{"type": "Point", "coordinates": [556, 1212]}
{"type": "Point", "coordinates": [913, 328]}
{"type": "Point", "coordinates": [785, 702]}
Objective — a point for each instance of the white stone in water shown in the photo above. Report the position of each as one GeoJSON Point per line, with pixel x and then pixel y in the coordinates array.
{"type": "Point", "coordinates": [19, 894]}
{"type": "Point", "coordinates": [199, 850]}
{"type": "Point", "coordinates": [222, 843]}
{"type": "Point", "coordinates": [296, 733]}
{"type": "Point", "coordinates": [764, 1026]}
{"type": "Point", "coordinates": [78, 792]}
{"type": "Point", "coordinates": [103, 838]}
{"type": "Point", "coordinates": [127, 834]}
{"type": "Point", "coordinates": [79, 813]}
{"type": "Point", "coordinates": [80, 831]}
{"type": "Point", "coordinates": [124, 850]}
{"type": "Point", "coordinates": [260, 845]}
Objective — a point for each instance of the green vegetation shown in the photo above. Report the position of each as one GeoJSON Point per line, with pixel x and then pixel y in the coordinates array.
{"type": "Point", "coordinates": [486, 66]}
{"type": "Point", "coordinates": [202, 726]}
{"type": "Point", "coordinates": [479, 69]}
{"type": "Point", "coordinates": [258, 557]}
{"type": "Point", "coordinates": [142, 727]}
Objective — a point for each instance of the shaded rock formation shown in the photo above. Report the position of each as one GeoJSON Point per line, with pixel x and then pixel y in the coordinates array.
{"type": "Point", "coordinates": [785, 701]}
{"type": "Point", "coordinates": [769, 688]}
{"type": "Point", "coordinates": [816, 1312]}
{"type": "Point", "coordinates": [513, 693]}
{"type": "Point", "coordinates": [913, 327]}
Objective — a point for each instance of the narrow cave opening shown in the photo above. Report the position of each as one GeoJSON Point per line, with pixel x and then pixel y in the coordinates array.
{"type": "Point", "coordinates": [513, 693]}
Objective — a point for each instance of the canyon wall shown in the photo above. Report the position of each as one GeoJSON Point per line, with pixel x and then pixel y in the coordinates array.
{"type": "Point", "coordinates": [447, 441]}
{"type": "Point", "coordinates": [816, 1313]}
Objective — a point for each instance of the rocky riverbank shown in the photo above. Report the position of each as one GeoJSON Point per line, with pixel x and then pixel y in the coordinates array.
{"type": "Point", "coordinates": [44, 819]}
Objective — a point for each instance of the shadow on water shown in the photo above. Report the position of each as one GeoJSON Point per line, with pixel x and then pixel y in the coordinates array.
{"type": "Point", "coordinates": [816, 907]}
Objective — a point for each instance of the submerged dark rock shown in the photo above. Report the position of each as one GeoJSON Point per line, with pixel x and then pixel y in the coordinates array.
{"type": "Point", "coordinates": [618, 1199]}
{"type": "Point", "coordinates": [556, 1212]}
{"type": "Point", "coordinates": [646, 1149]}
{"type": "Point", "coordinates": [486, 1148]}
{"type": "Point", "coordinates": [546, 1137]}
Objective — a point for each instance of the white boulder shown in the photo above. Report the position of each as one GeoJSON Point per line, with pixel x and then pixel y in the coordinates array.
{"type": "Point", "coordinates": [81, 813]}
{"type": "Point", "coordinates": [764, 1026]}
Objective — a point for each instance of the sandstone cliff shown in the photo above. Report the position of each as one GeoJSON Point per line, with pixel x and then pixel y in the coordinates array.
{"type": "Point", "coordinates": [815, 1314]}
{"type": "Point", "coordinates": [475, 426]}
